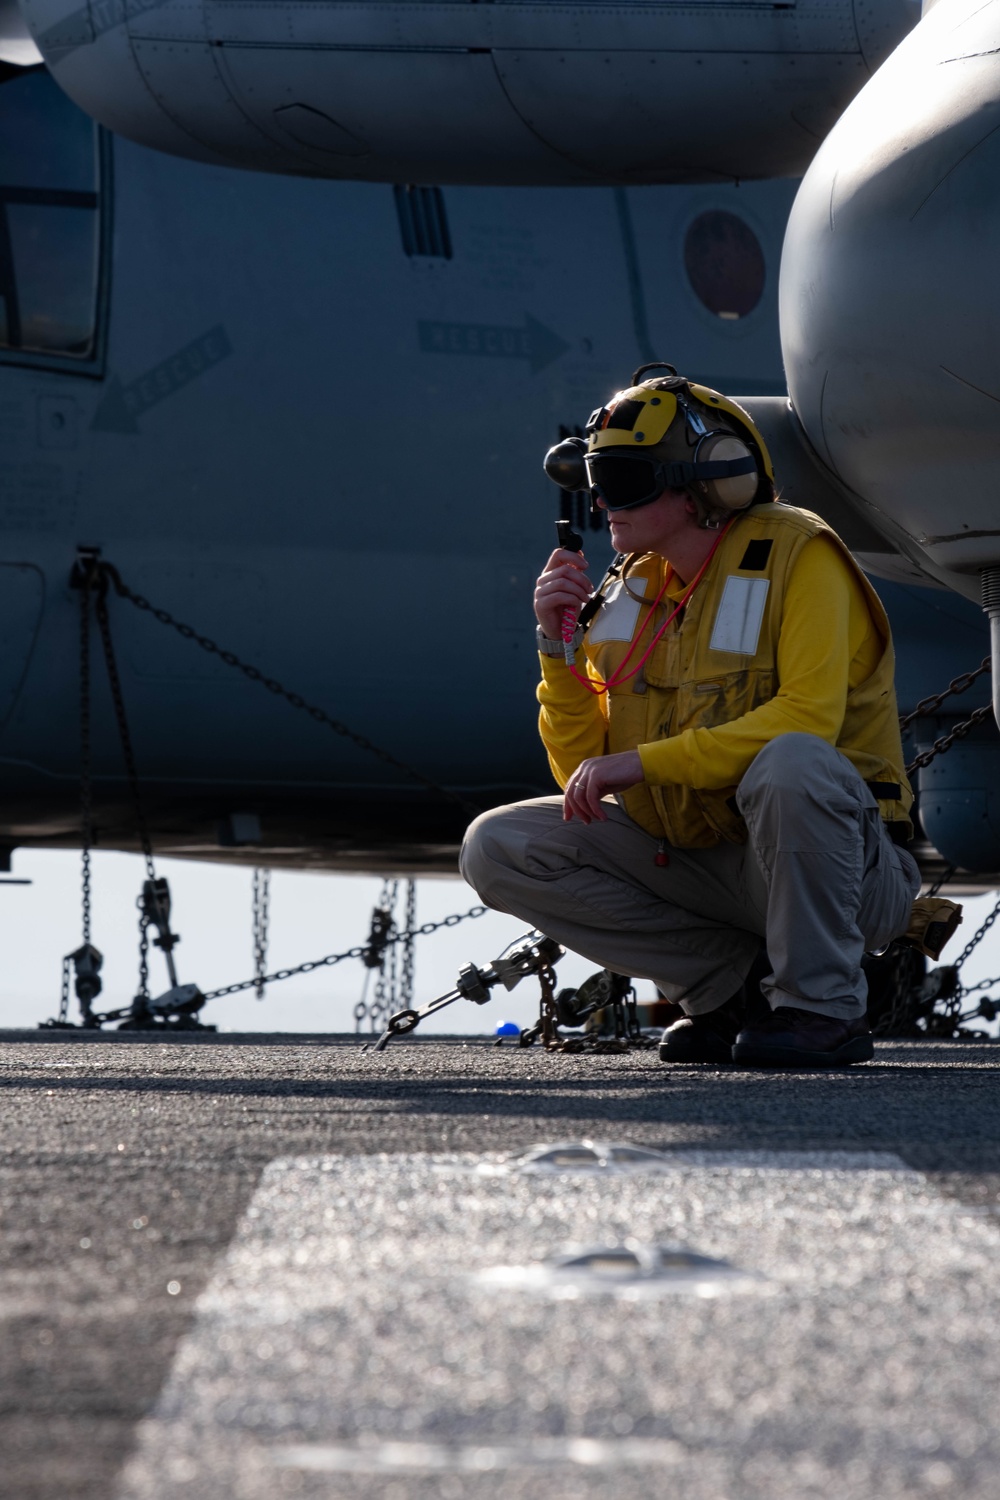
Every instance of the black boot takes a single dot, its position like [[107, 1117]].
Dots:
[[709, 1038], [794, 1038], [706, 1038]]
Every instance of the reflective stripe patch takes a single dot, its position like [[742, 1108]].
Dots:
[[738, 622], [617, 615]]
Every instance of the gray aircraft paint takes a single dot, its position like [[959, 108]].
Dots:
[[80, 27], [637, 296], [360, 517], [122, 405], [457, 92], [532, 341]]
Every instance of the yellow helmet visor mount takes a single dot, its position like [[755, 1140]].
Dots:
[[641, 417]]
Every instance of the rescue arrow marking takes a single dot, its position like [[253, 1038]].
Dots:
[[533, 342], [123, 404]]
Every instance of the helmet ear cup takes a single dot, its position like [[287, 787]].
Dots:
[[736, 491]]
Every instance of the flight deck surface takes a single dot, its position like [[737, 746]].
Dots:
[[255, 1266]]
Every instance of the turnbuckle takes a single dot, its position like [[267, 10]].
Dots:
[[531, 954]]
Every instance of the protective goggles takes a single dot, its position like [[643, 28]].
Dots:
[[624, 481]]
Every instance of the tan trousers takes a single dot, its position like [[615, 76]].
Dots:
[[819, 880]]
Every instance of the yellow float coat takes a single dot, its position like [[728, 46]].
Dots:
[[780, 638]]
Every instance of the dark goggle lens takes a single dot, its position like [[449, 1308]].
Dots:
[[624, 481]]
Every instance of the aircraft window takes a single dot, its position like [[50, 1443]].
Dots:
[[423, 221], [49, 223], [725, 264]]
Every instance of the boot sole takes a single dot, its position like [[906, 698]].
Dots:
[[720, 1055], [859, 1049]]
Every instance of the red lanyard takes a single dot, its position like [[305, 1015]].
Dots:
[[616, 679]]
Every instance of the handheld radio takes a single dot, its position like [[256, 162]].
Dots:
[[570, 541]]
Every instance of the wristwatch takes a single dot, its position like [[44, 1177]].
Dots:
[[548, 647]]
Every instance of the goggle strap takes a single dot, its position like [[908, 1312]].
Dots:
[[721, 468]]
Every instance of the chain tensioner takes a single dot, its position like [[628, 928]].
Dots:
[[605, 1006], [179, 1005], [531, 954]]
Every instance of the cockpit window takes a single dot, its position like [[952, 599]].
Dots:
[[50, 226]]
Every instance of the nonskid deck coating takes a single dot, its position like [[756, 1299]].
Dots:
[[152, 1149]]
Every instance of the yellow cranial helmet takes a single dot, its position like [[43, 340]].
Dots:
[[668, 433]]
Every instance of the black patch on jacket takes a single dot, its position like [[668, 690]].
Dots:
[[756, 556]]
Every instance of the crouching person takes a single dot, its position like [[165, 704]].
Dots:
[[726, 736]]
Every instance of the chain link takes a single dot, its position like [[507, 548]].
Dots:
[[361, 1009], [391, 978], [980, 986], [86, 786], [930, 705], [64, 991], [318, 715], [899, 1018], [407, 973], [947, 740], [942, 880], [380, 930], [913, 999], [987, 1009], [128, 754], [383, 1003], [394, 986], [261, 922], [336, 958], [143, 991], [391, 952], [927, 706], [959, 684], [977, 937]]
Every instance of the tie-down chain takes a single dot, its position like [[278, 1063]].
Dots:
[[936, 999]]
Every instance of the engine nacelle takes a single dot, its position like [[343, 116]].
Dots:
[[628, 91], [890, 299]]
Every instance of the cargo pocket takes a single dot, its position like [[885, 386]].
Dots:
[[719, 699], [886, 886]]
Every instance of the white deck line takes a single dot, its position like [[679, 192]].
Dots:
[[345, 1336]]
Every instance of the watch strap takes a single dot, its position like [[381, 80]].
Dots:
[[548, 647]]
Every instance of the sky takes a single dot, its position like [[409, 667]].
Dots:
[[311, 915]]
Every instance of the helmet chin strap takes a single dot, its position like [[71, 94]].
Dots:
[[709, 519], [713, 520]]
